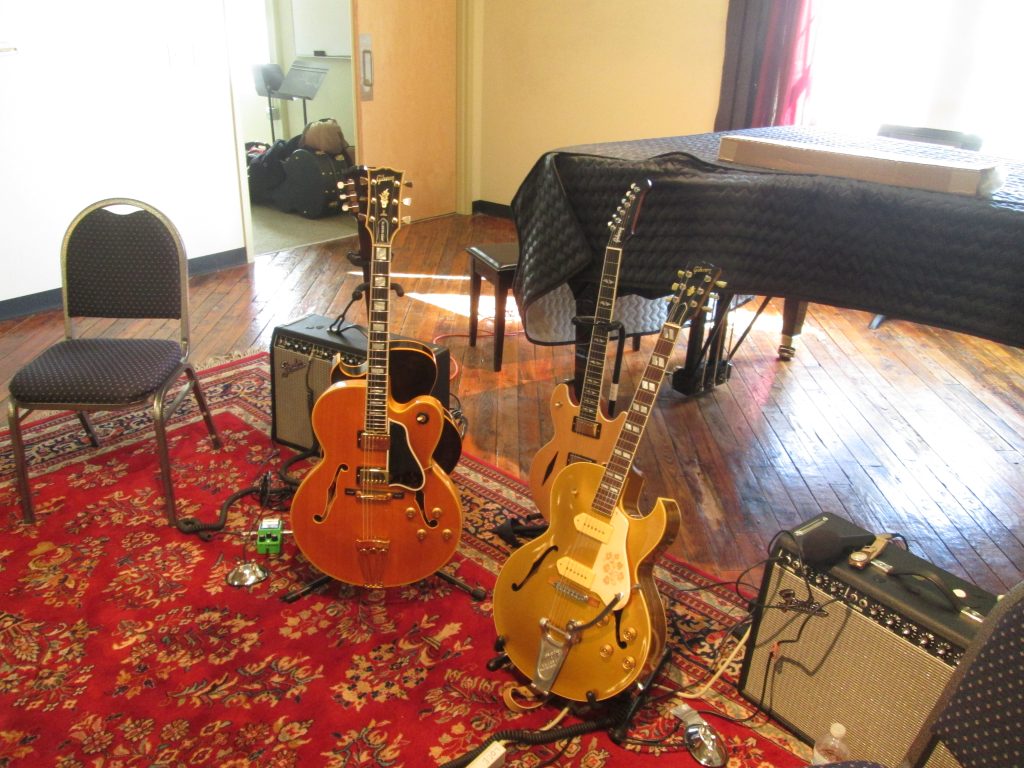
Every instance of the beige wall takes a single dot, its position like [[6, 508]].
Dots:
[[558, 72]]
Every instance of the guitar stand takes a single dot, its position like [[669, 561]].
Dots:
[[611, 325], [619, 732], [339, 326], [477, 593]]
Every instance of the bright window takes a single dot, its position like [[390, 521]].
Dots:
[[950, 64]]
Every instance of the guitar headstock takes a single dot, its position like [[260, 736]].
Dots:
[[383, 203], [695, 284], [374, 196], [623, 223]]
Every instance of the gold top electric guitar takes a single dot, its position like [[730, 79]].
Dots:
[[582, 432], [377, 510], [577, 609]]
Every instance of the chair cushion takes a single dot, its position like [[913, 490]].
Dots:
[[97, 371]]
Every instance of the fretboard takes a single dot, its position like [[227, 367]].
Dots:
[[377, 341], [593, 377], [624, 452]]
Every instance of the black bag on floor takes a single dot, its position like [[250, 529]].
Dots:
[[310, 184]]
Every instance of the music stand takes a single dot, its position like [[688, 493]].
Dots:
[[302, 82], [268, 78]]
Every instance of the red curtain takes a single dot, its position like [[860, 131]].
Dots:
[[766, 73]]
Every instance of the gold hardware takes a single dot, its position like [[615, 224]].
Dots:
[[421, 534], [446, 534], [606, 651], [629, 635], [628, 663]]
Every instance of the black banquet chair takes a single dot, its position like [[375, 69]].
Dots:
[[978, 721], [114, 264]]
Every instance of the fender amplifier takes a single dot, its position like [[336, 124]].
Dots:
[[302, 357], [870, 648]]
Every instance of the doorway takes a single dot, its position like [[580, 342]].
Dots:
[[270, 37]]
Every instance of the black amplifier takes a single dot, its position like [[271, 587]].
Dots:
[[302, 356], [870, 648]]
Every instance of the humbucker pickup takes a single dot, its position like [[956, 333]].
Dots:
[[586, 427]]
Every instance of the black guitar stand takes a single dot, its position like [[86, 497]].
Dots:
[[477, 593], [617, 725], [340, 325], [618, 733], [707, 364]]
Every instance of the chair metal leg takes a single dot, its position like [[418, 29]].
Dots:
[[165, 459], [203, 407], [28, 512], [90, 431]]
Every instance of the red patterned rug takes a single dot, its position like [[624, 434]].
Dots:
[[121, 644]]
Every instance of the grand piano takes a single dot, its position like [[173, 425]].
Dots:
[[947, 260]]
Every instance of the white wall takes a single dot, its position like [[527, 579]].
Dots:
[[112, 98]]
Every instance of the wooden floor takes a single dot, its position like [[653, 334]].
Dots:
[[904, 429]]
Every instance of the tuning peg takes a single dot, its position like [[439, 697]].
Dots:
[[406, 201], [407, 219], [675, 286], [681, 274], [408, 184], [720, 283]]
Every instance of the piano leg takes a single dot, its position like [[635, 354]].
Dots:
[[793, 314]]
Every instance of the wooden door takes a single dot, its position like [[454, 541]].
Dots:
[[404, 66]]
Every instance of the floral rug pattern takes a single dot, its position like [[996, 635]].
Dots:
[[122, 644]]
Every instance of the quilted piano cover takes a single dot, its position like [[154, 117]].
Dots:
[[945, 260]]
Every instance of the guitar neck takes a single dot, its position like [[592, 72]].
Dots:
[[691, 292], [624, 453], [378, 341], [382, 221], [597, 352]]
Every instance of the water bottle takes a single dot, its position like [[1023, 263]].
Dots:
[[831, 748]]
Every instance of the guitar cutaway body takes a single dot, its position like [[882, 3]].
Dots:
[[413, 372], [577, 606], [376, 511], [573, 442]]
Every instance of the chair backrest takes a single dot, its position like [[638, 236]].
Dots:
[[980, 716], [124, 265]]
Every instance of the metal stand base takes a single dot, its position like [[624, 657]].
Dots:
[[477, 593]]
